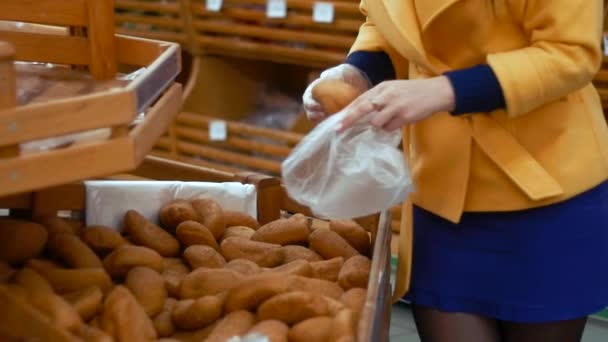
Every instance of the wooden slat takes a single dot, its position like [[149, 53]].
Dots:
[[602, 76], [62, 197], [156, 122], [198, 120], [296, 19], [270, 52], [160, 7], [44, 120], [192, 161], [174, 23], [244, 31], [8, 89], [158, 35], [102, 48], [351, 8], [164, 169], [51, 12], [137, 51], [48, 48], [246, 145]]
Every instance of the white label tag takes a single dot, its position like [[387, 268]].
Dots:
[[218, 130], [323, 12], [605, 44], [276, 8], [214, 5]]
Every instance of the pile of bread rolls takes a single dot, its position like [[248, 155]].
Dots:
[[203, 274]]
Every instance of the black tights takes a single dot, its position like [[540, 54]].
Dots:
[[437, 326]]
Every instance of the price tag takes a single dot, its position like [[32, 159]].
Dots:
[[605, 44], [214, 5], [276, 8], [323, 12], [218, 130]]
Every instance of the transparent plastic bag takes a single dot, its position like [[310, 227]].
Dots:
[[352, 174]]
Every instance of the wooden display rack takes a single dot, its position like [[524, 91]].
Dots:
[[272, 202], [80, 33]]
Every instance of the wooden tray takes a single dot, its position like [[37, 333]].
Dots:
[[272, 202], [82, 37]]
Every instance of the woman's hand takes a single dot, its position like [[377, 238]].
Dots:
[[394, 104]]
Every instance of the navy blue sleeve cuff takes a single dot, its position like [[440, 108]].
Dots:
[[377, 66], [476, 90]]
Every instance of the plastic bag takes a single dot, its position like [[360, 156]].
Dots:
[[355, 173]]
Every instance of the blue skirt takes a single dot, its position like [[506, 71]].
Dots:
[[536, 265]]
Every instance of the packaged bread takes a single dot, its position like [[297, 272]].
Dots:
[[353, 233], [355, 272], [233, 324], [190, 233], [243, 266], [283, 232], [174, 213], [87, 302], [145, 233], [72, 251], [20, 240], [237, 218], [174, 271], [211, 215], [312, 329], [191, 314], [295, 252], [330, 245], [206, 282], [293, 307], [200, 256], [125, 257], [102, 239], [254, 290], [238, 231], [263, 254], [273, 330], [124, 319], [163, 322], [148, 287], [327, 269]]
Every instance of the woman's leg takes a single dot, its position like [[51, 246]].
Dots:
[[437, 326], [562, 331]]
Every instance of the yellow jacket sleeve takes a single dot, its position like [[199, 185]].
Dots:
[[563, 56]]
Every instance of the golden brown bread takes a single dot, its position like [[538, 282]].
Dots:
[[243, 266], [72, 251], [312, 329], [234, 324], [343, 327], [354, 299], [124, 319], [206, 282], [199, 256], [174, 213], [102, 239], [312, 285], [191, 314], [87, 302], [125, 257], [327, 269], [194, 335], [297, 267], [57, 225], [330, 245], [69, 280], [353, 233], [211, 215], [20, 240], [145, 233], [295, 252], [148, 287], [238, 231], [254, 290], [163, 322], [237, 218], [263, 254], [191, 233], [293, 307], [6, 271], [283, 232], [355, 272], [174, 272], [334, 95]]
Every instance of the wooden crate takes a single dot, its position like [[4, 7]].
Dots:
[[272, 203], [80, 34], [154, 19]]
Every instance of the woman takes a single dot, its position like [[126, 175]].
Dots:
[[508, 147]]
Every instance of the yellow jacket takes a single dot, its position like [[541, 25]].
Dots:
[[551, 142]]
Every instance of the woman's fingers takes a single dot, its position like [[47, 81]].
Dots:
[[359, 108]]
